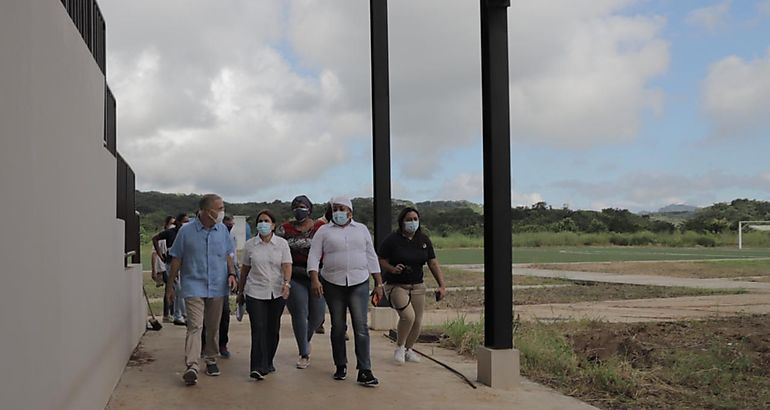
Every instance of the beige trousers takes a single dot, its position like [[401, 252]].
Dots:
[[202, 311], [409, 302]]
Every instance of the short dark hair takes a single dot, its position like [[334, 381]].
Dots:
[[268, 213], [228, 218], [167, 220], [207, 201], [181, 217]]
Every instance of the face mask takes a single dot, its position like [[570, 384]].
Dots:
[[220, 217], [411, 226], [340, 217], [300, 214], [264, 228]]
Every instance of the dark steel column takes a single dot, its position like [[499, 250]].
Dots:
[[378, 20], [498, 256]]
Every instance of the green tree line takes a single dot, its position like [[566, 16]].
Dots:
[[445, 218]]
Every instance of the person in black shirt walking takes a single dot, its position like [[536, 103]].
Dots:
[[402, 257]]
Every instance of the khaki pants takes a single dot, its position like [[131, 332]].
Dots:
[[409, 302], [202, 311]]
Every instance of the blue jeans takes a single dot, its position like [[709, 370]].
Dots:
[[307, 313], [354, 298], [179, 309]]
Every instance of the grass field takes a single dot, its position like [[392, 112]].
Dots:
[[601, 254], [454, 256]]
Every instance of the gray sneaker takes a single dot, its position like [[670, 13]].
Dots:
[[190, 376], [212, 369]]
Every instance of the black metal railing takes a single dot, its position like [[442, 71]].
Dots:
[[87, 17], [110, 121], [126, 208]]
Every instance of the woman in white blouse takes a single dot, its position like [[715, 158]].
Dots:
[[264, 287]]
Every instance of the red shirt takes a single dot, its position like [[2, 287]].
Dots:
[[299, 242]]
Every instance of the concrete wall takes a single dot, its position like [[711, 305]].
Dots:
[[70, 312], [239, 229]]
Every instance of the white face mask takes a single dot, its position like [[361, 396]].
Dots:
[[220, 217]]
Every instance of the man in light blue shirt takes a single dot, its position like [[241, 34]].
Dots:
[[202, 252]]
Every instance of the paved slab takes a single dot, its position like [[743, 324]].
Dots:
[[157, 385], [655, 280]]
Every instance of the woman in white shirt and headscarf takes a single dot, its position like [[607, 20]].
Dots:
[[348, 260]]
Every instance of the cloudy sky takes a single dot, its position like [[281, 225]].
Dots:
[[623, 103]]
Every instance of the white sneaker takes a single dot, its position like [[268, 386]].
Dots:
[[400, 355], [412, 356], [303, 362]]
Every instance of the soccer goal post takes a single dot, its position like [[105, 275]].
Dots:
[[754, 225]]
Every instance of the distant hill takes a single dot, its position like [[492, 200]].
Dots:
[[443, 217], [678, 208]]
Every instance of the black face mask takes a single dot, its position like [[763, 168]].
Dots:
[[300, 214]]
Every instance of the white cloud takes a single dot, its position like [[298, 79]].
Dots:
[[464, 186], [580, 71], [525, 199], [250, 97], [650, 191], [736, 94], [710, 17]]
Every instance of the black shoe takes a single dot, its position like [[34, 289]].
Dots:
[[212, 369], [320, 330], [341, 373], [271, 369], [180, 322], [366, 378], [256, 375], [190, 376], [224, 352]]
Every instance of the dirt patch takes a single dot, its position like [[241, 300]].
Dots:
[[577, 292], [454, 277], [703, 270], [711, 364], [139, 357]]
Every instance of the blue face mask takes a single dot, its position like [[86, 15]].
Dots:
[[264, 228], [340, 217], [411, 226]]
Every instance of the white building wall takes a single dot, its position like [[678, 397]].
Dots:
[[71, 314]]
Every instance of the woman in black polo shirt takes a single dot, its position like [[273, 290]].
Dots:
[[402, 256]]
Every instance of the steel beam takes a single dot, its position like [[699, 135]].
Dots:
[[378, 16], [498, 256]]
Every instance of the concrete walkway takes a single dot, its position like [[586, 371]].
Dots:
[[655, 280], [157, 385]]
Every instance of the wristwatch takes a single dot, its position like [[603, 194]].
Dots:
[[287, 284]]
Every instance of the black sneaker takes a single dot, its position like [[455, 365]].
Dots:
[[190, 376], [212, 369], [341, 373], [256, 375], [366, 378], [271, 369]]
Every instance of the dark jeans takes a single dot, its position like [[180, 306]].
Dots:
[[307, 313], [224, 327], [168, 307], [340, 299], [265, 320]]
